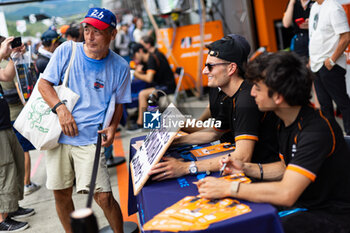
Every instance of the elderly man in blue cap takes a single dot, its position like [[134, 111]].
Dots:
[[249, 127], [96, 74]]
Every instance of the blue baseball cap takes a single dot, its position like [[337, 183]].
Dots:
[[100, 18], [51, 35]]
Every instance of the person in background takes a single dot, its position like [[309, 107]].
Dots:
[[139, 32], [11, 153], [310, 184], [37, 45], [50, 41], [153, 69], [12, 97], [131, 28], [75, 33], [96, 75], [329, 37], [122, 42], [29, 46], [297, 16], [149, 43], [63, 30]]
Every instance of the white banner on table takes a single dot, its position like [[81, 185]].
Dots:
[[154, 146]]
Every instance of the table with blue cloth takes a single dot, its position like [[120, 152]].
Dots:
[[157, 196]]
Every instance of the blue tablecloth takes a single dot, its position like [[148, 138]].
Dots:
[[157, 196]]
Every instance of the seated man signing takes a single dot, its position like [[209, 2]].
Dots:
[[312, 174], [251, 129]]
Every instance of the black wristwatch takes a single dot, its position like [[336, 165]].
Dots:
[[56, 106], [193, 168]]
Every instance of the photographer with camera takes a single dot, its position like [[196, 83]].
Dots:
[[12, 158], [14, 92]]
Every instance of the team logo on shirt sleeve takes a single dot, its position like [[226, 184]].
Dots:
[[294, 149]]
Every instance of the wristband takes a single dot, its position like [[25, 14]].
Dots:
[[56, 106], [234, 187], [261, 171], [331, 62]]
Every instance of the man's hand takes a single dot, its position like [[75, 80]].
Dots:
[[169, 168], [139, 68], [67, 122], [232, 165], [305, 24], [213, 188], [327, 64], [107, 136], [5, 49]]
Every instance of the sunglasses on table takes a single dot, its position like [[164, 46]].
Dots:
[[210, 66]]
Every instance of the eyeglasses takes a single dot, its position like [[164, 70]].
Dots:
[[210, 66]]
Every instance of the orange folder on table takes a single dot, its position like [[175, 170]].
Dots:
[[213, 151]]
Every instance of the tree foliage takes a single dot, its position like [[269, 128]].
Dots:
[[32, 29]]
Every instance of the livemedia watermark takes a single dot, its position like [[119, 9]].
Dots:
[[154, 120]]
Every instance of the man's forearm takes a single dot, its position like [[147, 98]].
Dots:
[[118, 112], [212, 164], [287, 19], [147, 77], [200, 137], [191, 129], [8, 73], [270, 171], [48, 93], [342, 45]]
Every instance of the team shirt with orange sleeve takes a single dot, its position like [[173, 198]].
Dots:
[[245, 121], [314, 147], [218, 101]]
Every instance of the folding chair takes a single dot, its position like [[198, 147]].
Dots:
[[180, 73]]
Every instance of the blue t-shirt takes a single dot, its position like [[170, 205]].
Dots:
[[94, 81]]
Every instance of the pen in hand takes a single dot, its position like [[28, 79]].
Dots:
[[222, 169]]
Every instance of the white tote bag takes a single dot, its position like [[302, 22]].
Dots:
[[37, 122]]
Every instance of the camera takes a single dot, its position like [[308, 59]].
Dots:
[[16, 42]]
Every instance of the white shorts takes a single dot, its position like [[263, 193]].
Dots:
[[66, 162]]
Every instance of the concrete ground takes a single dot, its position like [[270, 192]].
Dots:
[[45, 219]]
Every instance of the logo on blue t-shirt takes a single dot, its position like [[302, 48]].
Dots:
[[151, 120], [98, 84]]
